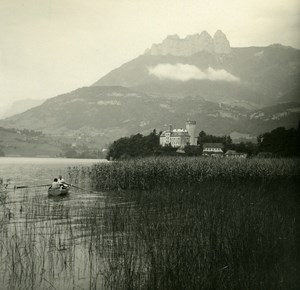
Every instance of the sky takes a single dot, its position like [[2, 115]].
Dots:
[[50, 47]]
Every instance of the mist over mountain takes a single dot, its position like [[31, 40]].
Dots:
[[207, 67]]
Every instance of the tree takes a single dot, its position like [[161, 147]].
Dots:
[[280, 142], [202, 134], [134, 146], [205, 138], [247, 147], [192, 150], [72, 153]]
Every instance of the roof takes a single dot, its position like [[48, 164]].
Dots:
[[213, 145], [229, 152], [176, 133], [233, 152], [164, 133], [180, 150]]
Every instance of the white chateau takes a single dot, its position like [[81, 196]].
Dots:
[[179, 137]]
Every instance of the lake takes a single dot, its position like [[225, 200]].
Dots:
[[47, 243], [164, 223]]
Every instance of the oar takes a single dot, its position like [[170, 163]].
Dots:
[[81, 188], [26, 186]]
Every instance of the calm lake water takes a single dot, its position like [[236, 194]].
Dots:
[[35, 171], [47, 243]]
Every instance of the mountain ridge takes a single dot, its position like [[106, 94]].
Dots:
[[191, 44], [108, 113]]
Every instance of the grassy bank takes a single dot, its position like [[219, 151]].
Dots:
[[202, 223]]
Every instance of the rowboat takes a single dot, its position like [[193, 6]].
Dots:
[[58, 191]]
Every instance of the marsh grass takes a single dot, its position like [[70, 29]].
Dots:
[[186, 172], [49, 244], [202, 224]]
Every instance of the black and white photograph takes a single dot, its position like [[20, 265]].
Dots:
[[149, 145]]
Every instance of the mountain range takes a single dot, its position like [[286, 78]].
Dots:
[[109, 113], [238, 91]]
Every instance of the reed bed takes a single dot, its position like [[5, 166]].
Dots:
[[49, 244], [201, 223], [171, 172]]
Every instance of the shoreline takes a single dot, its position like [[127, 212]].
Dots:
[[54, 160]]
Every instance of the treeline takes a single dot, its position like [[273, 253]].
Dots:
[[135, 146], [1, 151], [29, 133], [280, 142], [206, 138], [81, 152], [243, 147]]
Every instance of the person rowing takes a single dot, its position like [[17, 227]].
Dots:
[[58, 187], [55, 184], [61, 182]]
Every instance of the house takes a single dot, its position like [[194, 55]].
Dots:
[[174, 137], [213, 149], [179, 138], [234, 154]]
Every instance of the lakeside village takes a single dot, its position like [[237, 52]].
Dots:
[[180, 138], [280, 142]]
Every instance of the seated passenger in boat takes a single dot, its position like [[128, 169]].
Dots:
[[61, 182], [55, 183]]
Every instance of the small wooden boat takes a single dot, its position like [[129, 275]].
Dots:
[[58, 191]]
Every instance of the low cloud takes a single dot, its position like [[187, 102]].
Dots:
[[186, 72]]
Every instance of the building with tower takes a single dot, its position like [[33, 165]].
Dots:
[[179, 137], [190, 127]]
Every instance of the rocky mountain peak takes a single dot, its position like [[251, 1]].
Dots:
[[172, 36], [191, 44], [221, 43], [205, 35]]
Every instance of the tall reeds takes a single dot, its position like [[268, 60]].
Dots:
[[49, 244], [202, 223], [166, 223], [172, 172]]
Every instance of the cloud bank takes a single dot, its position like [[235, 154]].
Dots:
[[186, 72]]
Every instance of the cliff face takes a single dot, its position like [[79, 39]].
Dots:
[[191, 44]]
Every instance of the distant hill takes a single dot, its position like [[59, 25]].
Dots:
[[107, 113], [27, 144]]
